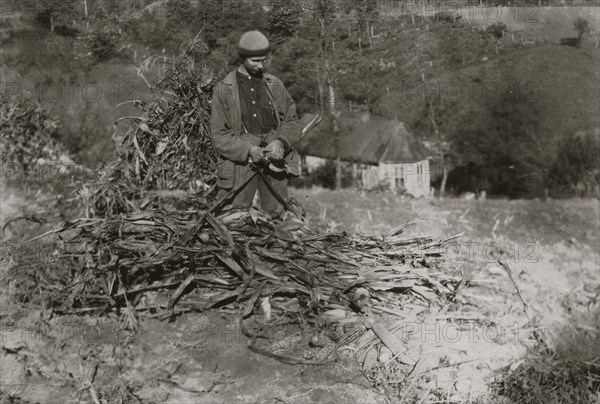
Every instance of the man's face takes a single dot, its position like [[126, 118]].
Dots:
[[256, 65]]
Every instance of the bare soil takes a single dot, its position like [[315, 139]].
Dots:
[[203, 357]]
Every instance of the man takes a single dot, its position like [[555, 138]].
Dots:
[[254, 122]]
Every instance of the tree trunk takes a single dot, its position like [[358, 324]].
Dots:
[[338, 172], [327, 50], [85, 10], [336, 129], [320, 88], [331, 88], [440, 147], [444, 179]]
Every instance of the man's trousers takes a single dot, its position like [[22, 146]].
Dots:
[[268, 201]]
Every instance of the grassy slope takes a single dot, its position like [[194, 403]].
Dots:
[[81, 94], [565, 83], [566, 101]]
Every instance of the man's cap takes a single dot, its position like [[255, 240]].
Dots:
[[253, 43]]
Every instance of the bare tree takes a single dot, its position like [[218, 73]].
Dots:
[[325, 14], [441, 145]]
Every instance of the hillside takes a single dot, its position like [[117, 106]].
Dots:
[[510, 87], [465, 65], [547, 76]]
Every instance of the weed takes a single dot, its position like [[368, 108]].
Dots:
[[567, 373]]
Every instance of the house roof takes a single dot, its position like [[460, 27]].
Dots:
[[365, 139]]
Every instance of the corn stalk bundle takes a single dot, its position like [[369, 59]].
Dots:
[[167, 152]]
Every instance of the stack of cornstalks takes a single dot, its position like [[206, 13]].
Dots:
[[166, 156]]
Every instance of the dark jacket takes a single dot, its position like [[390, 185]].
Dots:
[[226, 123]]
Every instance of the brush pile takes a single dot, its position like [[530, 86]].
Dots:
[[154, 242]]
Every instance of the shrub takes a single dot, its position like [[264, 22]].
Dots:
[[446, 17], [6, 32], [43, 19], [64, 30], [576, 168], [497, 30], [149, 29], [102, 45], [582, 26], [567, 373], [547, 379], [180, 13], [28, 133]]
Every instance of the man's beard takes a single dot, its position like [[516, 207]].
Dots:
[[258, 73]]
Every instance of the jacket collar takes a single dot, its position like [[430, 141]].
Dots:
[[231, 79]]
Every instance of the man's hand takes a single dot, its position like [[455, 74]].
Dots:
[[256, 154], [275, 150]]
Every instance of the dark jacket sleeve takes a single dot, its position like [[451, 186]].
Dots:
[[290, 125], [225, 140]]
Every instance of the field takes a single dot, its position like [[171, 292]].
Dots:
[[552, 246]]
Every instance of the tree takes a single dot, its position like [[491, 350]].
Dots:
[[325, 30], [582, 27], [179, 13], [502, 138], [294, 62], [50, 13], [576, 168], [327, 71], [362, 84], [284, 18], [366, 11], [222, 22], [441, 146]]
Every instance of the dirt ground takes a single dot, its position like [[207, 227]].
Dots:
[[203, 357], [553, 247]]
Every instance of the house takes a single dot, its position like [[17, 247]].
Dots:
[[380, 151]]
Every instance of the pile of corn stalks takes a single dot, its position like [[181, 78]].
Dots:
[[237, 256]]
